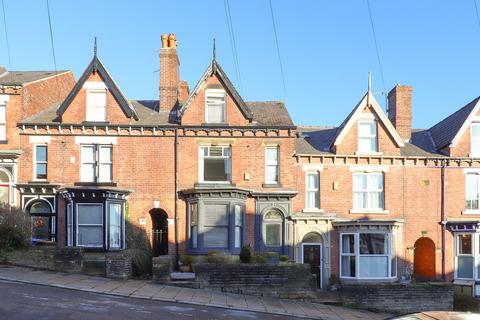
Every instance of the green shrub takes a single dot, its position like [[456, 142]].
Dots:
[[15, 228], [259, 258], [186, 260], [284, 258], [136, 238], [141, 262], [333, 280], [215, 256], [246, 254]]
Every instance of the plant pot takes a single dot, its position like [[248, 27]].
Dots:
[[184, 268]]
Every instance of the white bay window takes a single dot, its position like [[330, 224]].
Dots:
[[367, 255]]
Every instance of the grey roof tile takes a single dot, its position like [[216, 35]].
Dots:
[[270, 113], [314, 140], [445, 131], [19, 78]]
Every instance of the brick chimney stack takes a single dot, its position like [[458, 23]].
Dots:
[[400, 110], [169, 73]]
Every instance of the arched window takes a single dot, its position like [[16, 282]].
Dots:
[[5, 187], [41, 214], [273, 228], [312, 237]]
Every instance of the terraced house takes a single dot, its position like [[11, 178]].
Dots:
[[201, 170]]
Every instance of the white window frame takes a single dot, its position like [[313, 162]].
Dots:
[[367, 137], [121, 226], [474, 141], [69, 224], [272, 163], [90, 225], [279, 222], [368, 207], [312, 190], [3, 112], [475, 254], [35, 162], [90, 114], [391, 251], [96, 162], [202, 157], [217, 93], [475, 175]]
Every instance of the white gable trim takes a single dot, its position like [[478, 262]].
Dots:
[[471, 117], [357, 115]]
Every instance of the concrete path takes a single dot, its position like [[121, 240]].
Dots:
[[147, 290]]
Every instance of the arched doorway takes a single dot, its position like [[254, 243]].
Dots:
[[424, 259], [312, 254], [159, 232], [41, 215]]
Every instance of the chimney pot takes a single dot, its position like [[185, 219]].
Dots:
[[172, 41], [164, 41]]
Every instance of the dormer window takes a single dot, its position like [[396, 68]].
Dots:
[[475, 139], [367, 136], [96, 105], [215, 106]]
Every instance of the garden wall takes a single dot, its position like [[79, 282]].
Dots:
[[291, 281], [400, 298]]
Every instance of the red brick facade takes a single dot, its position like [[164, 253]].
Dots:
[[156, 166]]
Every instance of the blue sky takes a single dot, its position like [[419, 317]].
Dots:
[[327, 48]]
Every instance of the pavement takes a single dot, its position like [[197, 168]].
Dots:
[[144, 289]]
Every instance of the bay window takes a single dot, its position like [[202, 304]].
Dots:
[[367, 136], [465, 256], [89, 225], [115, 225], [215, 226], [215, 164], [367, 255], [96, 163], [215, 106], [238, 218], [312, 190], [271, 165], [368, 191]]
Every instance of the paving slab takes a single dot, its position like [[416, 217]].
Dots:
[[147, 290]]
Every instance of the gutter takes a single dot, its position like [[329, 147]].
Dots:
[[177, 256]]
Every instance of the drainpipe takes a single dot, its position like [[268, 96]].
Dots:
[[444, 224], [177, 257]]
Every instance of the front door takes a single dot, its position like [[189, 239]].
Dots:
[[312, 254]]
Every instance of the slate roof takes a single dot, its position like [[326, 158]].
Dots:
[[19, 78], [270, 113], [445, 131]]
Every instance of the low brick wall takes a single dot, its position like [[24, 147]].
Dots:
[[118, 266], [162, 266], [292, 281], [400, 298]]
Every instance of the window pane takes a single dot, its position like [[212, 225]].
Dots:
[[105, 154], [273, 215], [238, 215], [366, 129], [96, 106], [238, 237], [215, 170], [271, 174], [89, 214], [375, 200], [90, 235], [465, 244], [215, 237], [4, 194], [216, 215], [3, 118], [41, 171], [69, 225], [471, 191], [193, 214], [373, 243], [348, 243], [373, 267], [216, 113], [375, 181], [360, 182], [88, 154], [360, 200], [271, 155], [88, 172], [2, 132], [41, 153], [366, 144], [40, 228], [40, 207], [115, 225], [312, 181], [194, 236], [465, 267], [273, 234], [313, 199], [105, 174], [348, 266]]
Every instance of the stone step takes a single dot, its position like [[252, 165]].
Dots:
[[183, 284]]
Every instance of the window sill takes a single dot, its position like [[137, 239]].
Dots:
[[3, 141], [467, 211], [215, 124], [367, 211], [313, 210], [365, 153], [214, 183], [271, 185], [95, 184], [98, 123]]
